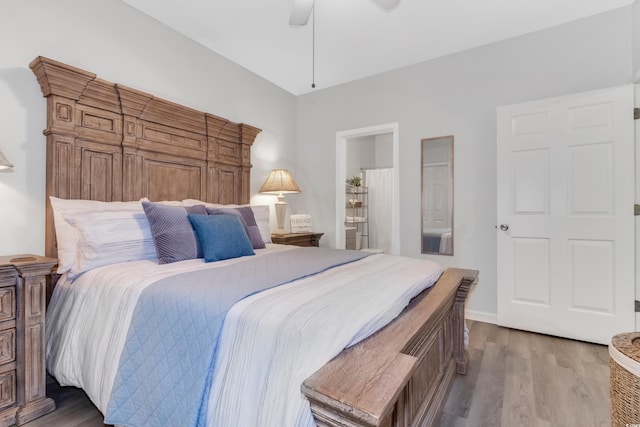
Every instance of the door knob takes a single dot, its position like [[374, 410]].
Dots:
[[504, 227]]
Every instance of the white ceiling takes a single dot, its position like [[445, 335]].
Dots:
[[356, 38]]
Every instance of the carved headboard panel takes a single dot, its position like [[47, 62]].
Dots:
[[108, 142]]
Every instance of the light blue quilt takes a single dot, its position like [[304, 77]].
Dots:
[[166, 365]]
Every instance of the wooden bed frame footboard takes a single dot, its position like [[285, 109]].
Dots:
[[401, 375], [109, 142]]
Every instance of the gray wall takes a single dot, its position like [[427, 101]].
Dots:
[[121, 45], [361, 153], [384, 150], [374, 151], [458, 95]]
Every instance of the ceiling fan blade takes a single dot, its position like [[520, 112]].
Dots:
[[386, 4], [300, 12]]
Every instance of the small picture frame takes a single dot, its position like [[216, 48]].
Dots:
[[301, 223]]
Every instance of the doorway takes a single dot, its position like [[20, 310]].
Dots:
[[378, 138]]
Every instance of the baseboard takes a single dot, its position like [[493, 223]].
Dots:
[[482, 316]]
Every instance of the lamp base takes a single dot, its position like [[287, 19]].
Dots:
[[281, 212]]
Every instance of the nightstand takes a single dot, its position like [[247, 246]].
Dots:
[[297, 239], [22, 342]]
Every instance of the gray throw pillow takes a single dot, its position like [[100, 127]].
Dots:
[[173, 234], [248, 220]]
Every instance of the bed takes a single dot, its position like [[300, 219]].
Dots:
[[108, 143], [437, 240]]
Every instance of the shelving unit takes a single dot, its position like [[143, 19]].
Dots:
[[357, 217]]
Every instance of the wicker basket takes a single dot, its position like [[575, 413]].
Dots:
[[624, 362]]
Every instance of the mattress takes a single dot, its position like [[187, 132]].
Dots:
[[269, 343]]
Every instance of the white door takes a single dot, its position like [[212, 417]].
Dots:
[[565, 215], [435, 186]]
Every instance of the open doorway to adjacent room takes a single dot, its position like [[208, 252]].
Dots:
[[367, 215]]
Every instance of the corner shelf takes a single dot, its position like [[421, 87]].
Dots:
[[357, 216]]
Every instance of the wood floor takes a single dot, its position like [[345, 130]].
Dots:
[[73, 409], [515, 379], [524, 379]]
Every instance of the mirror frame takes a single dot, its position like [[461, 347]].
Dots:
[[424, 250]]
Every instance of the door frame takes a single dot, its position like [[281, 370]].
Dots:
[[637, 219], [342, 138]]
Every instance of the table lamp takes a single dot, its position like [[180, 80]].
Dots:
[[280, 182]]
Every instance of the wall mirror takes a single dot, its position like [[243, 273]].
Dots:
[[437, 195]]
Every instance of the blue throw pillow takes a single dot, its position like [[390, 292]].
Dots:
[[221, 236]]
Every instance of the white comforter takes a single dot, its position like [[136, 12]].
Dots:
[[269, 344]]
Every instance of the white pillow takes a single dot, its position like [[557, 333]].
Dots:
[[193, 202], [164, 202], [260, 212], [111, 237], [66, 212]]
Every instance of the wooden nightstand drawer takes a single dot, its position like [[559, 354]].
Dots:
[[7, 389], [7, 303], [7, 346]]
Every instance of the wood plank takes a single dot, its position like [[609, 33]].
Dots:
[[486, 408], [461, 395], [519, 402]]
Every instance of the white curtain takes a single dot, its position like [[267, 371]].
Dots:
[[380, 187]]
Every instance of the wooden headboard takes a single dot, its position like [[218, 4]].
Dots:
[[108, 142]]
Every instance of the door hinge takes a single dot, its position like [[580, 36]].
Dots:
[[637, 306], [636, 113], [636, 210]]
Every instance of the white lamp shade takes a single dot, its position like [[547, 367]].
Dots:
[[280, 181]]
